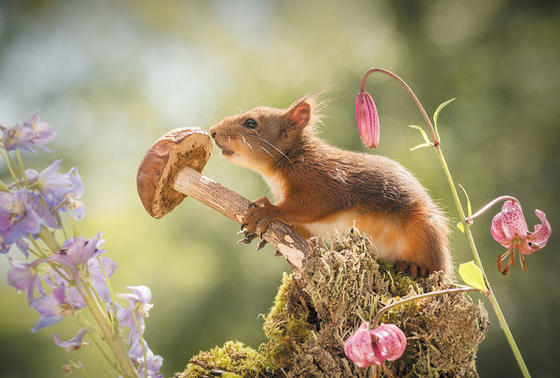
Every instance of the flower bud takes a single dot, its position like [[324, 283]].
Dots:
[[368, 120], [365, 347]]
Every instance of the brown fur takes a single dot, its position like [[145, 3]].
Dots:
[[318, 187]]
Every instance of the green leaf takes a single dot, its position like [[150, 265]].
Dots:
[[461, 227], [421, 146], [3, 187], [436, 114], [472, 275], [424, 135], [469, 207]]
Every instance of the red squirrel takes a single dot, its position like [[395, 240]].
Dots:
[[318, 188]]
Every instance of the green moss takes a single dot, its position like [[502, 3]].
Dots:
[[344, 286], [232, 360], [287, 323]]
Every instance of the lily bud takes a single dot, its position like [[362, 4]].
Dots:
[[368, 120], [373, 347]]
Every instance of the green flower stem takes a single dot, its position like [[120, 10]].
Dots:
[[99, 361], [14, 165], [110, 337], [491, 297], [91, 334], [112, 293], [21, 167], [36, 245], [3, 187], [59, 220], [14, 177], [143, 344], [98, 300], [418, 297], [468, 233], [48, 238]]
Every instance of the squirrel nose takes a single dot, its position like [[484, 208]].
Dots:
[[212, 133]]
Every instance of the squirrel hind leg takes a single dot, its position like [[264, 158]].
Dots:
[[426, 250]]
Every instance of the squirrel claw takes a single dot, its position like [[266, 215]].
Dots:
[[260, 212], [261, 245], [415, 270], [247, 239], [260, 202]]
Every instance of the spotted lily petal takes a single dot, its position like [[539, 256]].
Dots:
[[509, 224], [539, 238], [509, 228]]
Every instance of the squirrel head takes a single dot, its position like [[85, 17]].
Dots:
[[265, 135]]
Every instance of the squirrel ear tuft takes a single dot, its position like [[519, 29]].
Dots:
[[299, 113], [306, 112]]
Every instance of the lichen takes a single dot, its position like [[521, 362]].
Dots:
[[344, 286]]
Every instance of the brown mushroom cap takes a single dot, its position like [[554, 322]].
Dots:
[[180, 148]]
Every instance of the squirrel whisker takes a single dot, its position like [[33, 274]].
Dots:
[[273, 146], [245, 140], [265, 150]]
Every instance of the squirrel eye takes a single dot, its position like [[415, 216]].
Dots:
[[250, 123]]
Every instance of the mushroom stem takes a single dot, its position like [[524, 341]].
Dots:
[[191, 183]]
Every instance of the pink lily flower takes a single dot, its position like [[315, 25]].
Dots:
[[509, 228], [368, 120], [373, 347]]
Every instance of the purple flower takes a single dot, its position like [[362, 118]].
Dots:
[[24, 276], [138, 309], [72, 204], [29, 134], [153, 361], [52, 308], [52, 184], [74, 343], [58, 191], [98, 278], [17, 219], [373, 347], [76, 252]]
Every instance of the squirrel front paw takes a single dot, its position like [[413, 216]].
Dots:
[[261, 212]]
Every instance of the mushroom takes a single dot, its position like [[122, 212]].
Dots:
[[171, 170]]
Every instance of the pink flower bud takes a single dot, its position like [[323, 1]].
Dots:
[[368, 120], [365, 347]]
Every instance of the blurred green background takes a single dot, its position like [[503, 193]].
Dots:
[[111, 77]]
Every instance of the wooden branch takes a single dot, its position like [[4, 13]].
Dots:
[[292, 246]]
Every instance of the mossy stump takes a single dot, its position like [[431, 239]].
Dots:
[[344, 286]]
